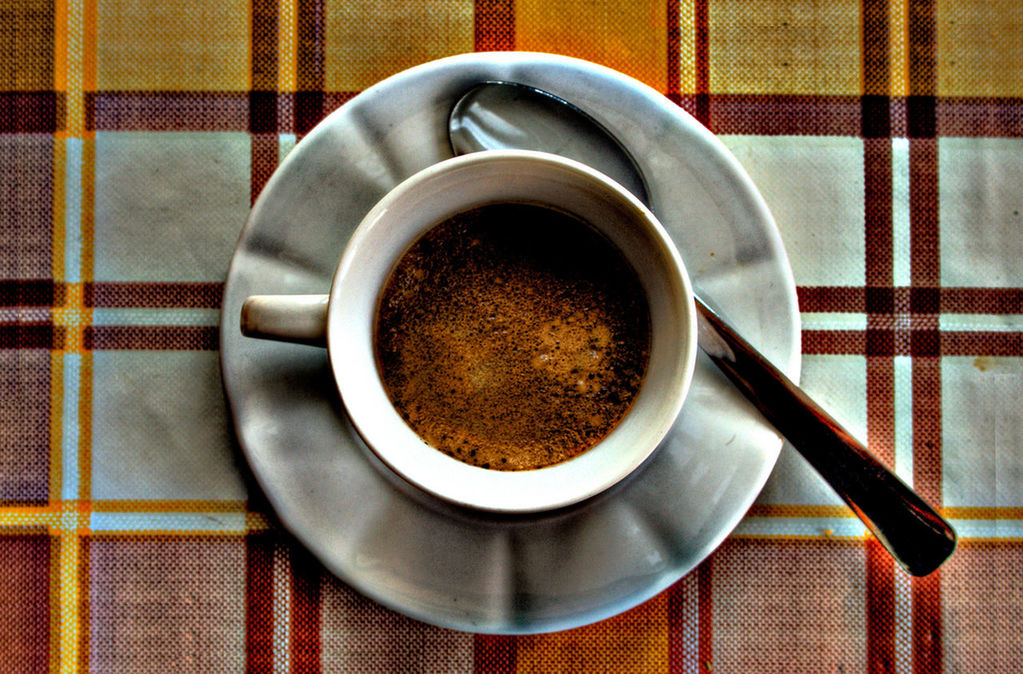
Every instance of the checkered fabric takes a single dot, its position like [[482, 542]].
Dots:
[[887, 138]]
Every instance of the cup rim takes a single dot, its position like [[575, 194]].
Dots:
[[350, 336]]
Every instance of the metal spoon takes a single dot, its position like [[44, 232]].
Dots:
[[500, 115]]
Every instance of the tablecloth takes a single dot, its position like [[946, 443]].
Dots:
[[886, 137]]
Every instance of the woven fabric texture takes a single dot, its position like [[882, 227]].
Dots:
[[886, 137]]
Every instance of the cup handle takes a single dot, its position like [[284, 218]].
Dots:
[[301, 319]]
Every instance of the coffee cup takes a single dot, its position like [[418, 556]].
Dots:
[[345, 322]]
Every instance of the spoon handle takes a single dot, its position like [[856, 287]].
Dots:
[[916, 536]]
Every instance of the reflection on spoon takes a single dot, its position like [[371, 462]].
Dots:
[[503, 115]]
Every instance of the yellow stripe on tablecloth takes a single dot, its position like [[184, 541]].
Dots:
[[801, 48], [75, 73], [287, 46], [979, 48], [982, 513], [73, 524], [898, 39], [687, 47]]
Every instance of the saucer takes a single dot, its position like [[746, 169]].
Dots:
[[454, 567]]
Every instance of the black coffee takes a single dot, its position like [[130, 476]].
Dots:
[[512, 336]]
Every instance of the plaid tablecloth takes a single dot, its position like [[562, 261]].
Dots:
[[887, 138]]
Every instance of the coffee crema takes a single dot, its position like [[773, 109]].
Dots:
[[512, 336]]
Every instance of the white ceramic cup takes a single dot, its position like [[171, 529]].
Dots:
[[344, 322]]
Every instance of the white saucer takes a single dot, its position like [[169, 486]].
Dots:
[[457, 568]]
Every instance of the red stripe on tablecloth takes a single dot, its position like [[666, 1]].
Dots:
[[981, 300], [753, 114], [878, 301], [927, 429], [705, 599], [676, 626], [848, 299], [260, 111], [927, 624], [765, 115], [921, 125], [263, 162], [305, 617], [701, 47], [881, 408], [264, 45], [31, 293], [877, 193], [493, 654], [259, 628], [263, 122], [982, 344], [979, 117], [167, 111], [880, 609], [309, 99], [84, 617], [114, 295], [883, 342], [674, 55], [494, 25], [31, 111], [955, 300], [833, 342], [151, 337], [32, 336]]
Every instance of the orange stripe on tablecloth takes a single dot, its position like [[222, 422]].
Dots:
[[88, 223], [167, 505], [784, 510], [60, 46], [982, 513], [89, 18], [76, 298]]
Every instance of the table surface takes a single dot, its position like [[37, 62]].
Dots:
[[886, 137]]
